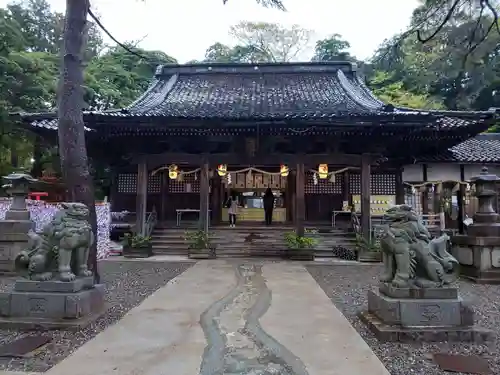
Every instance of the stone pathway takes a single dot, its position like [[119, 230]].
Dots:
[[224, 317]]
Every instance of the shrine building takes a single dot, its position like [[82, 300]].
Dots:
[[312, 132]]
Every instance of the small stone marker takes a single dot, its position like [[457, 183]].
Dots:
[[467, 364], [23, 346]]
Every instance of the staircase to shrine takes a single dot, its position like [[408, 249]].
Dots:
[[250, 241]]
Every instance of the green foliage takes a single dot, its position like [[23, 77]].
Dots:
[[371, 246], [333, 48], [136, 241], [393, 92], [295, 242], [261, 42], [199, 240]]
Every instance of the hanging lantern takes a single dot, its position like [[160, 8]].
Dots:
[[284, 170], [173, 171], [323, 171], [222, 169]]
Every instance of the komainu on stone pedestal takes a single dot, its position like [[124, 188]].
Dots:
[[415, 301], [62, 249], [57, 290], [412, 258]]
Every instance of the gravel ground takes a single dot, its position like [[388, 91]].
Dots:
[[347, 287], [127, 284]]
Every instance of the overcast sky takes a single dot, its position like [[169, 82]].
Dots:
[[185, 28]]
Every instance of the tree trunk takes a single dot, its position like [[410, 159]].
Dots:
[[72, 149]]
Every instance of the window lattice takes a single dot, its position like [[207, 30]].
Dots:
[[127, 183], [189, 184], [154, 184], [324, 186], [380, 184], [383, 184]]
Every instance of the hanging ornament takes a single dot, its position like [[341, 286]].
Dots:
[[229, 179], [173, 172], [181, 176], [196, 176], [222, 169], [284, 171], [467, 187], [315, 178], [323, 171], [431, 189], [413, 190], [332, 178]]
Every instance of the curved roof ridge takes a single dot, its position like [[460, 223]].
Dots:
[[153, 96], [362, 84], [354, 93]]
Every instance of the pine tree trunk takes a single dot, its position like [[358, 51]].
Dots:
[[72, 149]]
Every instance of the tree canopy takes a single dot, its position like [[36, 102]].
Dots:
[[458, 68]]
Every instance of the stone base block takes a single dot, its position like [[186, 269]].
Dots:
[[384, 332], [418, 293], [60, 308], [430, 319], [55, 286]]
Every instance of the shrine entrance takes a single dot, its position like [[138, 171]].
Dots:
[[248, 185]]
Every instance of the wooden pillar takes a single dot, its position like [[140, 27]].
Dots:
[[461, 202], [216, 199], [300, 206], [425, 194], [142, 194], [365, 197], [346, 189], [400, 187], [290, 191], [204, 194], [165, 182]]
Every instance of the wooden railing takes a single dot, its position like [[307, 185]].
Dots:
[[151, 221]]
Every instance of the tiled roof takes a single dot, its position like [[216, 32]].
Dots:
[[484, 148], [260, 92]]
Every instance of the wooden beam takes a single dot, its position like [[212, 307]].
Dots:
[[204, 194], [141, 200], [365, 198], [300, 206], [400, 187], [310, 160]]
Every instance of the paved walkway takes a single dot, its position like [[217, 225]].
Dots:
[[222, 317]]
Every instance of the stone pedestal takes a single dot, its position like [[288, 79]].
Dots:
[[479, 250], [431, 314], [13, 239], [51, 304]]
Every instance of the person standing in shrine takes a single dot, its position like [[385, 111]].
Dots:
[[268, 201], [232, 205]]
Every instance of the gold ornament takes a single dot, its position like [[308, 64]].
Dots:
[[323, 171]]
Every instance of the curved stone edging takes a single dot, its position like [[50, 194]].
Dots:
[[213, 356], [281, 353], [255, 351]]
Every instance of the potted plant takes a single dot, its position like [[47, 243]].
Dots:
[[369, 250], [137, 246], [299, 247], [200, 246]]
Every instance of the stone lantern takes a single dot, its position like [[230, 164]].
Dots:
[[18, 187], [14, 229], [478, 251]]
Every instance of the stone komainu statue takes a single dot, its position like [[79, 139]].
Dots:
[[62, 249], [411, 256]]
